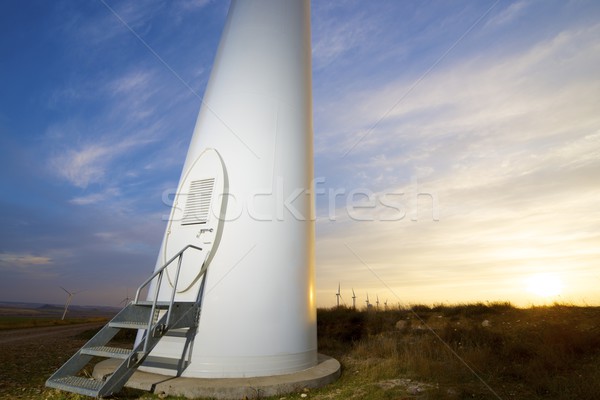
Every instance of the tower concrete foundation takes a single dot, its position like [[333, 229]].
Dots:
[[326, 371]]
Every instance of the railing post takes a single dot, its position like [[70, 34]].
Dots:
[[176, 280], [149, 331], [159, 274]]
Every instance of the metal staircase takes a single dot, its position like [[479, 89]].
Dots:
[[154, 318]]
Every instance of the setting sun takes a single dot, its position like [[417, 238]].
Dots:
[[545, 285]]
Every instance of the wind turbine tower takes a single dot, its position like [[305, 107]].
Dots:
[[250, 153], [353, 299], [68, 302], [337, 296], [241, 226]]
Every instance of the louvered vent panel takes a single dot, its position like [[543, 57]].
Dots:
[[197, 205]]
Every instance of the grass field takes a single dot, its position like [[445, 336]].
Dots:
[[22, 322], [473, 351]]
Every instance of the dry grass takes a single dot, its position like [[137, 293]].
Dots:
[[485, 351], [422, 352]]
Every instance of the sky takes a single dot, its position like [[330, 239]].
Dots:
[[457, 146]]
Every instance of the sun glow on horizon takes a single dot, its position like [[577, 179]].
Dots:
[[545, 285]]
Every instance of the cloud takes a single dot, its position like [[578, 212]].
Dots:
[[105, 26], [508, 15], [510, 146], [339, 38], [340, 29], [136, 80], [88, 163], [83, 166], [194, 4], [23, 260], [85, 152], [95, 197], [133, 96], [475, 97]]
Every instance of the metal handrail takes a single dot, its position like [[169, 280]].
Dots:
[[159, 272]]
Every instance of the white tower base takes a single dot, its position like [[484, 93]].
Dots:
[[245, 198]]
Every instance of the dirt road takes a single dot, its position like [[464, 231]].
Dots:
[[29, 334], [29, 356]]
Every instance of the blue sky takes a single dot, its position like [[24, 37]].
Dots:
[[476, 120]]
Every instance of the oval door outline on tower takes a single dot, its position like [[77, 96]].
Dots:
[[198, 211]]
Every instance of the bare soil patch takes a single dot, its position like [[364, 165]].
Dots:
[[29, 356]]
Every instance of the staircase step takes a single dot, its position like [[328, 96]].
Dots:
[[76, 384], [181, 332], [106, 351], [175, 364], [159, 304], [162, 304], [181, 320], [128, 324]]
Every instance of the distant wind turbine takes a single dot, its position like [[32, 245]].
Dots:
[[127, 299], [353, 299], [367, 301], [337, 295], [377, 302], [69, 298]]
